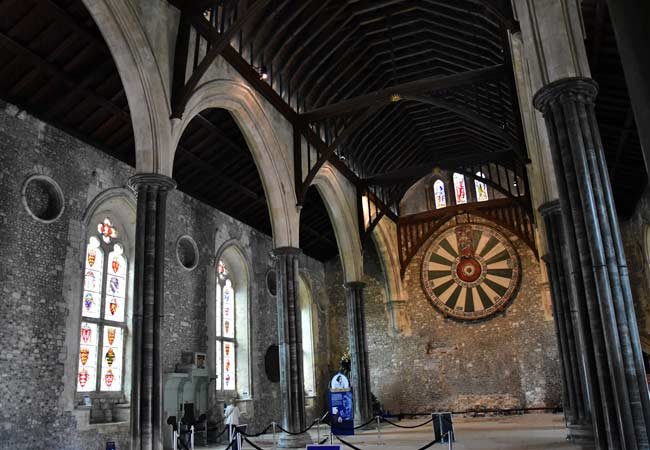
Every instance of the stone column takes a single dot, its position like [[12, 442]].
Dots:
[[573, 334], [631, 21], [358, 352], [147, 390], [590, 221], [290, 345]]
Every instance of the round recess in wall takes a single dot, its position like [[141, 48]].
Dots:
[[271, 282], [272, 363], [187, 252], [43, 198]]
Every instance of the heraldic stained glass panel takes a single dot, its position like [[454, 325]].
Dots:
[[229, 366], [116, 285], [439, 194], [459, 188], [481, 189], [103, 311], [94, 269], [228, 311], [112, 357], [225, 331], [88, 343]]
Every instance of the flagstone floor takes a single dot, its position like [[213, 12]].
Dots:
[[527, 432]]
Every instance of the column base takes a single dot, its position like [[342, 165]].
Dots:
[[581, 434], [294, 441]]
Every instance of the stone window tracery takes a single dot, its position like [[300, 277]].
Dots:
[[481, 188], [440, 199], [459, 188]]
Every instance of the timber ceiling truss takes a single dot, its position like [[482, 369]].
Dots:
[[382, 89]]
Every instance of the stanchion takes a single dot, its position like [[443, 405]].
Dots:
[[379, 441], [274, 439], [192, 437], [174, 439]]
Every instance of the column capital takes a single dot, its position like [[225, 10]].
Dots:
[[162, 182], [285, 251], [572, 89], [550, 208], [354, 285]]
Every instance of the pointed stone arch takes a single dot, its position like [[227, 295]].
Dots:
[[340, 200], [269, 151], [142, 79]]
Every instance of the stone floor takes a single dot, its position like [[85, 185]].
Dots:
[[527, 432]]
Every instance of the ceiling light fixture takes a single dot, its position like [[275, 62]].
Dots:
[[262, 72]]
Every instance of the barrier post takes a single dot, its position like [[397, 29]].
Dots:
[[274, 440], [192, 437], [379, 442], [174, 439]]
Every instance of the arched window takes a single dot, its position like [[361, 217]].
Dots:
[[226, 360], [481, 188], [103, 318], [231, 346], [459, 188], [439, 194], [306, 323]]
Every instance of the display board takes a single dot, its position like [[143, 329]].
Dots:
[[470, 271]]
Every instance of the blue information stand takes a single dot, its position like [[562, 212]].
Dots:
[[323, 447], [341, 406]]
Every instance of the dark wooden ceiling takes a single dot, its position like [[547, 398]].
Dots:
[[55, 64]]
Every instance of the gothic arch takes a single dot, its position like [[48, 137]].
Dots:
[[385, 238], [340, 201], [269, 152], [142, 80]]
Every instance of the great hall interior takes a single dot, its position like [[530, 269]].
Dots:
[[210, 206]]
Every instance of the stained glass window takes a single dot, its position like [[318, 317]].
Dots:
[[481, 188], [226, 374], [439, 194], [103, 307], [459, 188]]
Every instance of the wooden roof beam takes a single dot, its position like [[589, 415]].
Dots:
[[386, 96], [218, 43]]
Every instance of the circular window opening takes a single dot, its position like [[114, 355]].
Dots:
[[272, 363], [43, 198], [187, 252], [271, 283]]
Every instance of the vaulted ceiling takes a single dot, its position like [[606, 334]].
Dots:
[[334, 65]]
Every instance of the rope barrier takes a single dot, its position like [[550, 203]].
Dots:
[[252, 444], [334, 427], [243, 433], [347, 444], [299, 432], [407, 426]]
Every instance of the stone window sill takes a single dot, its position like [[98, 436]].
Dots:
[[81, 414]]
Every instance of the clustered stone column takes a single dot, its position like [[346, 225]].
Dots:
[[290, 346], [577, 359], [598, 271], [358, 352], [146, 392]]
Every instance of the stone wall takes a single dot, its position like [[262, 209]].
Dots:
[[636, 240], [40, 279], [508, 360]]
